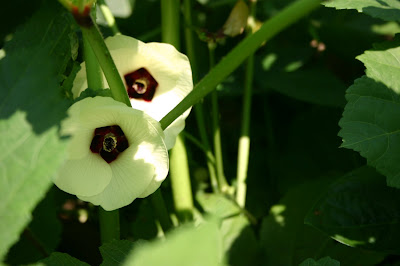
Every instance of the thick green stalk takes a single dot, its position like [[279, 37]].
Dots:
[[219, 165], [244, 141], [198, 108], [179, 167], [94, 74], [109, 225], [109, 17], [170, 13], [180, 180], [95, 39], [249, 45]]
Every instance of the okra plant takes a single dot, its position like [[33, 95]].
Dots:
[[199, 132]]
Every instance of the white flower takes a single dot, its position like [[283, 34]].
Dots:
[[156, 75], [116, 154]]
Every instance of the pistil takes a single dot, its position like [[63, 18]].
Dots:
[[140, 85]]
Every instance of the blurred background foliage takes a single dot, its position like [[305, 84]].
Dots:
[[299, 84]]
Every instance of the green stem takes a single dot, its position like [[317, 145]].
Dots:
[[209, 155], [244, 141], [170, 22], [109, 225], [109, 17], [180, 181], [179, 167], [223, 184], [198, 108], [93, 71], [249, 45], [161, 210], [106, 62]]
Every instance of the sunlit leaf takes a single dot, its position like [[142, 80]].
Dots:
[[384, 9], [41, 236], [239, 241], [187, 246], [115, 252], [31, 107], [382, 63]]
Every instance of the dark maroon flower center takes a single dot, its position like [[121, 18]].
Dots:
[[109, 142], [140, 84]]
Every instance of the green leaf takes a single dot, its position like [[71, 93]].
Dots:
[[371, 126], [31, 107], [359, 210], [187, 245], [384, 9], [115, 252], [218, 205], [239, 241], [371, 118], [41, 236], [57, 259], [327, 261], [383, 63], [317, 86], [142, 223], [93, 93], [69, 81], [286, 240]]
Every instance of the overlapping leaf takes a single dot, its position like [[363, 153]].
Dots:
[[327, 261], [371, 118], [188, 246], [31, 107], [286, 240], [359, 210], [115, 252], [58, 258], [41, 236], [384, 9], [239, 241]]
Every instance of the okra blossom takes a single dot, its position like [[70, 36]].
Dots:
[[115, 155], [156, 76]]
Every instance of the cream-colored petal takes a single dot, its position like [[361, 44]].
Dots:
[[174, 129], [79, 144], [91, 113], [84, 117], [132, 173], [87, 176], [172, 71], [134, 170], [170, 68]]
